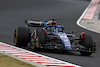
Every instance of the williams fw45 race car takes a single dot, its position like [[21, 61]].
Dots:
[[53, 37]]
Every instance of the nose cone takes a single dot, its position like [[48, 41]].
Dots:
[[68, 48], [65, 40]]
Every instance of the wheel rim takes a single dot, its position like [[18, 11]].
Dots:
[[35, 41]]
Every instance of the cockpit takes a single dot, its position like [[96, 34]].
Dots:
[[54, 28]]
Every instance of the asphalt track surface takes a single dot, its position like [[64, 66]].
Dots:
[[14, 12]]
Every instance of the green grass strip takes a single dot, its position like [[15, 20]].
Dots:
[[6, 61]]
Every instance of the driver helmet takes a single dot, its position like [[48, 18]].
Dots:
[[56, 29]]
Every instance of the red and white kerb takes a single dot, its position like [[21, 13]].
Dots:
[[34, 57]]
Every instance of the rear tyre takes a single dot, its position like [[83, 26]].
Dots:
[[42, 36], [21, 36], [86, 41]]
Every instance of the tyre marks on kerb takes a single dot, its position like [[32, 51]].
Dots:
[[91, 10], [34, 57]]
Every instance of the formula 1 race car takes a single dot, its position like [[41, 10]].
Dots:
[[53, 37]]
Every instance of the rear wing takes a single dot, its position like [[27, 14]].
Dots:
[[34, 23], [38, 23]]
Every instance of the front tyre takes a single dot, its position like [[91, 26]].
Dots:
[[85, 53], [87, 41]]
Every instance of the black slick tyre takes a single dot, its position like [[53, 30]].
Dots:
[[85, 53], [21, 36], [86, 41], [42, 36]]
